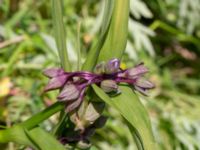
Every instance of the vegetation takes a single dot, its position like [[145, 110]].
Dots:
[[165, 35]]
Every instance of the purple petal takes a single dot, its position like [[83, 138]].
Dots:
[[53, 72], [137, 71], [141, 82], [71, 106], [141, 90], [56, 82], [74, 104], [112, 66], [69, 92]]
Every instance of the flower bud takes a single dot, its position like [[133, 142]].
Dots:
[[112, 66], [143, 85], [69, 92], [141, 82], [100, 68], [56, 82], [136, 71], [53, 72], [109, 86]]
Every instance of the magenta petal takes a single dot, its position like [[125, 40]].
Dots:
[[137, 71], [56, 82], [53, 72], [69, 92]]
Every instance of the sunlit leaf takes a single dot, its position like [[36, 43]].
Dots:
[[95, 50], [116, 39], [44, 140], [133, 111]]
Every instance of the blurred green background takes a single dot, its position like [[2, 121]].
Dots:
[[164, 34]]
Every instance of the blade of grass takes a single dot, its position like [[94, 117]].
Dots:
[[43, 115], [59, 31], [116, 39], [44, 141], [94, 51], [12, 60], [78, 47]]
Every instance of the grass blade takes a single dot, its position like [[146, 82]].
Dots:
[[95, 50], [116, 39], [59, 31]]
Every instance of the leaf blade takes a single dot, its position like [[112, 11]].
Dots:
[[44, 141], [133, 111], [116, 39]]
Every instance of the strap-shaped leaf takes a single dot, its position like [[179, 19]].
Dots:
[[95, 50], [116, 39], [130, 107], [57, 12], [36, 138], [44, 140], [15, 134]]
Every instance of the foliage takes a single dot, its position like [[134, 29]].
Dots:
[[163, 34]]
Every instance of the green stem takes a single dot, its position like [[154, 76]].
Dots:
[[43, 115], [179, 34], [59, 30]]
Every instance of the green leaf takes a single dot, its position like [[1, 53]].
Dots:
[[59, 30], [116, 39], [43, 115], [95, 50], [130, 107], [44, 140], [15, 134]]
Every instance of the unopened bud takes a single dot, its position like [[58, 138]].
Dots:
[[109, 86], [112, 66], [100, 68], [141, 82]]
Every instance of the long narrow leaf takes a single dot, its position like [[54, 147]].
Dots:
[[60, 33], [15, 134], [44, 140], [95, 50], [116, 39], [134, 112]]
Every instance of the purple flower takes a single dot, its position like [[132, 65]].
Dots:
[[107, 75]]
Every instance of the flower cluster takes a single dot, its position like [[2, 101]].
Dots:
[[108, 75]]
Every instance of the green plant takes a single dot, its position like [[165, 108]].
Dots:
[[111, 44]]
